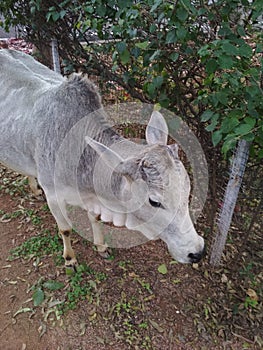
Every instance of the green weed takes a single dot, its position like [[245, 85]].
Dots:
[[14, 187], [82, 286], [30, 214], [10, 216], [250, 303], [127, 312], [39, 246]]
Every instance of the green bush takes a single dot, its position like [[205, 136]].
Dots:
[[199, 59]]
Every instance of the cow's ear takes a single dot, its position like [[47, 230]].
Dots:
[[156, 130], [173, 149], [127, 167], [111, 158]]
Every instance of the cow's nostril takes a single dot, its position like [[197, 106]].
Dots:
[[195, 257]]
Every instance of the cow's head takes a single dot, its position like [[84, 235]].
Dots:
[[154, 192]]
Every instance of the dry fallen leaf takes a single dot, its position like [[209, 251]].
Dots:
[[156, 326], [252, 294], [224, 278]]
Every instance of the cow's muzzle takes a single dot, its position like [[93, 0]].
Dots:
[[196, 257]]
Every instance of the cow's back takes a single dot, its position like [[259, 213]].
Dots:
[[38, 108], [23, 68], [23, 81]]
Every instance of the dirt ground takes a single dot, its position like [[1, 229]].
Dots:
[[187, 307]]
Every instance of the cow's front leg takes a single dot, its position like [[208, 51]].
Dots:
[[98, 236], [68, 252], [58, 210]]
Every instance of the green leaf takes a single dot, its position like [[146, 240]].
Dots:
[[53, 285], [212, 126], [101, 10], [181, 33], [216, 137], [162, 269], [229, 48], [214, 122], [157, 81], [156, 4], [48, 16], [260, 154], [89, 9], [143, 45], [55, 16], [229, 144], [153, 28], [164, 100], [174, 56], [206, 115], [182, 14], [225, 62], [250, 121], [69, 271], [62, 13], [249, 137], [155, 55], [171, 37], [38, 296], [136, 52], [121, 46], [243, 129], [229, 124], [151, 89], [241, 31], [211, 66], [222, 98], [125, 57], [245, 50], [204, 51]]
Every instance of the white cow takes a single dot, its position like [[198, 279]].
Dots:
[[148, 188]]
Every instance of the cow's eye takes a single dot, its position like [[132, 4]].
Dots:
[[155, 204]]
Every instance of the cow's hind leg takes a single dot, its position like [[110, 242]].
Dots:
[[98, 236]]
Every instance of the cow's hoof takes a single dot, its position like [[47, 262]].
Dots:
[[107, 254], [71, 265], [38, 193]]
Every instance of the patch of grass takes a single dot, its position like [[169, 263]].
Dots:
[[14, 186], [129, 329], [132, 323], [10, 216], [29, 214], [145, 285], [34, 217], [255, 290], [124, 265], [45, 208], [82, 286], [39, 246], [40, 288], [248, 272]]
